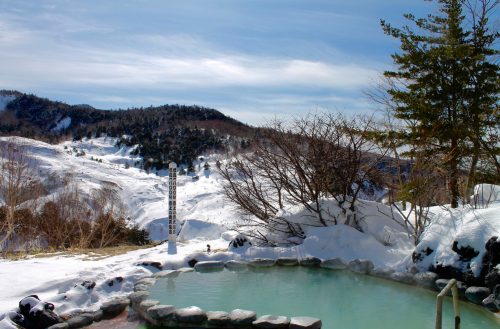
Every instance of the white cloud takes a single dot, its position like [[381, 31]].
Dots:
[[105, 68]]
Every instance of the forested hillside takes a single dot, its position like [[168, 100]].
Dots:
[[164, 133]]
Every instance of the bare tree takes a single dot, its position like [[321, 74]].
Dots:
[[317, 157], [15, 180], [109, 216]]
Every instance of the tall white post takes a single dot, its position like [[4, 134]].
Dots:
[[172, 208]]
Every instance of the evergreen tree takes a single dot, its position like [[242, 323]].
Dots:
[[436, 87]]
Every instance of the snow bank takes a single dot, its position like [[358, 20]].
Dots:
[[486, 194], [197, 229], [373, 218], [468, 226]]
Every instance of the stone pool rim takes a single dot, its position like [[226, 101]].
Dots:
[[424, 280], [427, 280]]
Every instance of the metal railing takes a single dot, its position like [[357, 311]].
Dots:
[[452, 285]]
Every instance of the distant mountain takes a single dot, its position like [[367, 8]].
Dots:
[[164, 133]]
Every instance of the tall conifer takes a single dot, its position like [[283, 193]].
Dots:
[[445, 86]]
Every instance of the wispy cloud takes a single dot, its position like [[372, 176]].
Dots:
[[243, 63]]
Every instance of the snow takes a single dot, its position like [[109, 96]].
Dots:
[[468, 226], [197, 229], [62, 124], [484, 194], [4, 100], [206, 217]]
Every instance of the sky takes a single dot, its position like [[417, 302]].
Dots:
[[253, 60]]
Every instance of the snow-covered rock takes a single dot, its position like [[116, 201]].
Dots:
[[272, 321], [242, 317], [191, 314], [305, 322], [463, 227], [477, 294]]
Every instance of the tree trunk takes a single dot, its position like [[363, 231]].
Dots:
[[454, 173]]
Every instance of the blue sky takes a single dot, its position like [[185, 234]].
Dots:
[[253, 60]]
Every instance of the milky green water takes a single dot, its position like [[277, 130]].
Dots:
[[341, 299]]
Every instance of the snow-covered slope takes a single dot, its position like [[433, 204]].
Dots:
[[95, 162], [208, 219]]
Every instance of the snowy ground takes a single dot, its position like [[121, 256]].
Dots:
[[207, 219]]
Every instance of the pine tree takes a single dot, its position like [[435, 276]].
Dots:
[[434, 90]]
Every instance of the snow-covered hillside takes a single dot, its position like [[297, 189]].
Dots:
[[95, 162], [207, 218]]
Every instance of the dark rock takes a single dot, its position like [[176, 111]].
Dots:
[[490, 260], [466, 253], [287, 261], [80, 321], [236, 265], [98, 315], [209, 266], [360, 266], [111, 282], [310, 261], [62, 325], [192, 314], [477, 294], [192, 262], [88, 284], [115, 306], [156, 265], [262, 262], [239, 242], [402, 277], [489, 303], [334, 264], [305, 322], [426, 279], [492, 252], [37, 314], [242, 317], [146, 304], [496, 294], [450, 272], [137, 297], [441, 283], [15, 317], [271, 322], [492, 279], [418, 256], [161, 312]]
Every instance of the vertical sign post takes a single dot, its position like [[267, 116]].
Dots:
[[172, 208]]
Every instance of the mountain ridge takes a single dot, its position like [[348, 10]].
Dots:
[[164, 133]]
